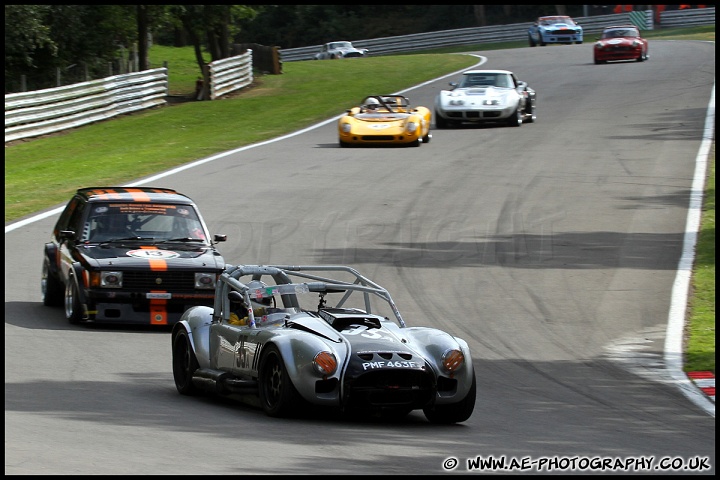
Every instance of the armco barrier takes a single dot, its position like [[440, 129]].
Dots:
[[592, 26]]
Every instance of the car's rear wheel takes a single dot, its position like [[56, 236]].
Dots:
[[278, 396], [50, 286], [529, 115], [73, 308], [184, 363], [454, 412]]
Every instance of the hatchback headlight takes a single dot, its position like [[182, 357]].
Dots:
[[205, 281], [111, 279]]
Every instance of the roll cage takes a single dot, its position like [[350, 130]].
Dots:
[[288, 284]]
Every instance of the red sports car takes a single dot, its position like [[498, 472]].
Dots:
[[621, 42]]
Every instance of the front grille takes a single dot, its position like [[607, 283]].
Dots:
[[561, 32], [378, 138], [352, 54], [391, 388], [169, 280], [474, 115]]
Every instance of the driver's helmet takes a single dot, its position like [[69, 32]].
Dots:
[[257, 290], [372, 104]]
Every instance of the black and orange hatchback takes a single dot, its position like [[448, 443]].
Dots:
[[131, 255]]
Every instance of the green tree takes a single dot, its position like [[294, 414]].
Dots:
[[210, 28]]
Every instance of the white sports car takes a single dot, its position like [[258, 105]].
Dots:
[[334, 50], [486, 96]]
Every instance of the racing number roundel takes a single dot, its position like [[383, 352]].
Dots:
[[153, 254]]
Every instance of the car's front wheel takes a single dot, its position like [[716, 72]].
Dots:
[[516, 119], [440, 122], [532, 42], [184, 364], [540, 40], [454, 412], [50, 286], [73, 308], [278, 396]]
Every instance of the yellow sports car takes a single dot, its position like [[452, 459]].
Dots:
[[385, 119]]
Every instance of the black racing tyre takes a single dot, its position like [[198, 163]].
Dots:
[[426, 138], [50, 286], [531, 41], [516, 119], [344, 144], [278, 396], [455, 412], [73, 308], [184, 364], [440, 122], [416, 143], [540, 40], [530, 115]]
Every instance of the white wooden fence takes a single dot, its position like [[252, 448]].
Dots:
[[40, 112]]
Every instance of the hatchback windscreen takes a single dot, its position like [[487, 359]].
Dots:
[[148, 221]]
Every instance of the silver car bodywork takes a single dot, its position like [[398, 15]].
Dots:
[[355, 354], [486, 96], [337, 50]]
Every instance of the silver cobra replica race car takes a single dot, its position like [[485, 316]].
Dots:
[[274, 338]]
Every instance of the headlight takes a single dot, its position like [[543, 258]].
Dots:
[[493, 101], [457, 101], [325, 363], [636, 43], [111, 279], [345, 127], [205, 281], [452, 360], [411, 127]]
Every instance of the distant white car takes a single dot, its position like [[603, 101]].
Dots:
[[333, 50], [485, 96]]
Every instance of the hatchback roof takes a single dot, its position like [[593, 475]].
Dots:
[[133, 194]]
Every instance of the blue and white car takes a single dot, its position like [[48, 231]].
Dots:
[[554, 29]]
